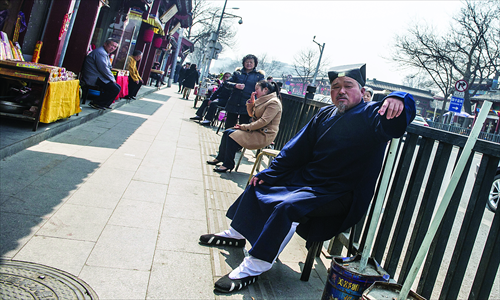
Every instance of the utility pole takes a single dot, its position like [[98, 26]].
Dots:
[[212, 44], [319, 60]]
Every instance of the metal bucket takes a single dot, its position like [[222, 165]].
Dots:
[[385, 290], [344, 282]]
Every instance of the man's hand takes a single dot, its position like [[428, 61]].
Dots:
[[240, 86], [392, 108], [255, 180], [237, 126]]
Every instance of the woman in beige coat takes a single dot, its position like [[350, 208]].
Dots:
[[264, 107]]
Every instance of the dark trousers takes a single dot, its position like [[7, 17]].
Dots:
[[212, 109], [227, 149], [156, 77], [232, 119], [109, 91], [202, 108], [133, 87]]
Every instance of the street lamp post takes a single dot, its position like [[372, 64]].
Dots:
[[213, 45], [319, 60]]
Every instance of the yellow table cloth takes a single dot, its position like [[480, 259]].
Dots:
[[61, 101]]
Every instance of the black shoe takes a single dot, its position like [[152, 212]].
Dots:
[[220, 170], [213, 162], [195, 118], [205, 123], [127, 97], [133, 98], [215, 240], [228, 285], [95, 106]]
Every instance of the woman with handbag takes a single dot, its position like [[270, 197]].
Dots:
[[264, 106]]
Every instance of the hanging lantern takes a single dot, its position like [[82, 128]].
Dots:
[[148, 35], [157, 42]]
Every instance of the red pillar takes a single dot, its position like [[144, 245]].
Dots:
[[83, 29], [52, 46]]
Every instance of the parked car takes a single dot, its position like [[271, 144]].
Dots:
[[322, 98], [494, 192], [419, 120]]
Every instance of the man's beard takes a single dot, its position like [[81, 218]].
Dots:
[[341, 108]]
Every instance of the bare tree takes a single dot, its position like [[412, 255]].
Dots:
[[271, 66], [470, 51], [205, 22], [305, 63]]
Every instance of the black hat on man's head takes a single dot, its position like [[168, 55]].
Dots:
[[356, 72]]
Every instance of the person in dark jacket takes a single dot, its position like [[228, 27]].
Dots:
[[242, 84], [190, 80], [218, 98], [182, 75]]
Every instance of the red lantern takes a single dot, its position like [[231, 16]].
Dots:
[[157, 42], [148, 35]]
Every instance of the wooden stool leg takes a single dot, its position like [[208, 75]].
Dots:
[[239, 160], [311, 255], [257, 162]]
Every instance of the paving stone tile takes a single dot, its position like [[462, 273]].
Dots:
[[138, 214], [146, 191], [186, 187], [65, 254], [112, 283], [76, 222], [154, 172], [94, 153], [16, 230], [182, 235], [123, 161], [36, 201], [107, 175], [97, 195], [124, 248], [183, 172], [180, 206], [170, 280]]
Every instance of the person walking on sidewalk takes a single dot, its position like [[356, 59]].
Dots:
[[322, 181], [190, 80], [182, 75], [218, 99], [264, 106], [97, 71], [134, 79], [242, 84]]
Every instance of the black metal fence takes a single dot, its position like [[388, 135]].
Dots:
[[465, 131], [464, 257]]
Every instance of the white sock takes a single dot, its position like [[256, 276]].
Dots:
[[252, 266], [231, 233]]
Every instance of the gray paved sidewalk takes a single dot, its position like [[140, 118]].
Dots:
[[121, 200]]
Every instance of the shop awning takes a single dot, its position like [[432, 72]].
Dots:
[[155, 22]]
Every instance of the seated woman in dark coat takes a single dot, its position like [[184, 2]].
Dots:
[[265, 109]]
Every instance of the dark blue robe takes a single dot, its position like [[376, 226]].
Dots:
[[331, 156]]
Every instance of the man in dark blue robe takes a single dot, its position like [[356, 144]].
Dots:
[[328, 170]]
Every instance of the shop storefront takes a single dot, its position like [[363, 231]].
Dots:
[[49, 40]]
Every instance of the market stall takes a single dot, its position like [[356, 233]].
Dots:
[[37, 93]]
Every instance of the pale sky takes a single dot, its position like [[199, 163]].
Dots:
[[353, 31]]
